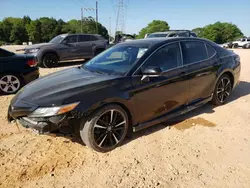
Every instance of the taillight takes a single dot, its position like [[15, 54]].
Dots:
[[32, 62]]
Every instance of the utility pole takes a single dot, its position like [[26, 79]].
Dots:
[[81, 20], [96, 17], [120, 20], [109, 29]]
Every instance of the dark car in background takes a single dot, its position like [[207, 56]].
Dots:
[[172, 33], [67, 47], [16, 70], [129, 87]]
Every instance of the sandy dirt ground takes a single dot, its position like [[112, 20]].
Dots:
[[209, 147]]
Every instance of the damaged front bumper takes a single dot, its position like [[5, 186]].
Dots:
[[20, 111], [44, 125]]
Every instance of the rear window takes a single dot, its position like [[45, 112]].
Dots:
[[193, 51], [157, 35], [210, 51], [98, 37], [223, 52], [92, 38], [4, 53]]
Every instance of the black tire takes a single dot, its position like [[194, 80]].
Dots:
[[50, 60], [109, 133], [222, 92], [235, 45], [10, 83]]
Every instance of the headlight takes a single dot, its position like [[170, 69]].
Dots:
[[33, 50], [52, 111]]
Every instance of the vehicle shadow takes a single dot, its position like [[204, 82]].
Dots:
[[241, 90]]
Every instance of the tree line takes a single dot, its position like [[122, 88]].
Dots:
[[18, 30], [219, 32]]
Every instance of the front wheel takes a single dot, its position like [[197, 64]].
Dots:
[[222, 90], [49, 60], [106, 129]]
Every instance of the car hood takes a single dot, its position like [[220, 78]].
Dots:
[[37, 46], [55, 88]]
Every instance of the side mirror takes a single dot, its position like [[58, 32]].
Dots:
[[150, 72]]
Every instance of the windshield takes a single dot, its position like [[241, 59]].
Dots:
[[157, 35], [240, 40], [57, 39], [116, 60]]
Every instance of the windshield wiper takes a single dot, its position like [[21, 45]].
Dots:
[[91, 70]]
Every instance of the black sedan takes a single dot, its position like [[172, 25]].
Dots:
[[128, 87], [16, 70]]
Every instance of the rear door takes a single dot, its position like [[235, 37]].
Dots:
[[166, 92], [201, 60], [85, 46]]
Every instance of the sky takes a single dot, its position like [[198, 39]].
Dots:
[[180, 14]]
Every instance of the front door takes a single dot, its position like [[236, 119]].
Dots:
[[68, 49], [165, 93]]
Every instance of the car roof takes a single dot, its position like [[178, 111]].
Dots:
[[150, 42], [171, 31], [72, 34]]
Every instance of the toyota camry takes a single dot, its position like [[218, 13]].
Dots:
[[127, 88]]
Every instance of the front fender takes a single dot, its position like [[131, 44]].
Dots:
[[93, 100], [42, 52]]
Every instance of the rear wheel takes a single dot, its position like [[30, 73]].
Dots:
[[222, 90], [106, 128], [49, 60], [10, 83]]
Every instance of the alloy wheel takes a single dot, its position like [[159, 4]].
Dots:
[[224, 89], [50, 60], [109, 128], [9, 84]]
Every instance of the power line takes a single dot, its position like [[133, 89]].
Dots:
[[76, 3]]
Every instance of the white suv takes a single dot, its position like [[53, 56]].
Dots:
[[241, 42]]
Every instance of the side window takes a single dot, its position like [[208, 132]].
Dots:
[[84, 38], [71, 39], [193, 51], [186, 34], [166, 58], [248, 39], [92, 38], [210, 51]]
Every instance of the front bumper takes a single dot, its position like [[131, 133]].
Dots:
[[20, 110], [42, 125]]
